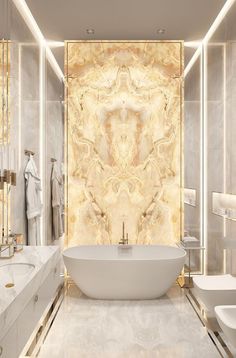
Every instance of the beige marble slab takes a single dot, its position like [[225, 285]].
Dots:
[[124, 141], [4, 91], [4, 133]]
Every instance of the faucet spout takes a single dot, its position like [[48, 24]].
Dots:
[[123, 240]]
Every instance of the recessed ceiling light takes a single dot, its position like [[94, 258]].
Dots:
[[90, 31], [161, 31]]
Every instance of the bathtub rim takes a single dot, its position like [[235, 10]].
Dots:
[[178, 249]]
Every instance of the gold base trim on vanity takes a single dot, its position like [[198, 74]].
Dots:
[[32, 347]]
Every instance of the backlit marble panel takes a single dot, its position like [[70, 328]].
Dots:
[[4, 134], [124, 141], [4, 88]]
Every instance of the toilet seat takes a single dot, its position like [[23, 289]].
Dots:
[[215, 282]]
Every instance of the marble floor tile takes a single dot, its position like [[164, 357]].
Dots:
[[167, 327]]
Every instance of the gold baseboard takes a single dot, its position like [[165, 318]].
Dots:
[[40, 332], [185, 281]]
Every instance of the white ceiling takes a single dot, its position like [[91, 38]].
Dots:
[[62, 20]]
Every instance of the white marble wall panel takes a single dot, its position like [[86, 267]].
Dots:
[[192, 153], [54, 139], [215, 153], [24, 106], [231, 141], [26, 119]]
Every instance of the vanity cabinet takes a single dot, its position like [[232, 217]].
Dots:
[[8, 345], [18, 335]]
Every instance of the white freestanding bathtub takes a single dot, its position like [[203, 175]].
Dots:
[[124, 271]]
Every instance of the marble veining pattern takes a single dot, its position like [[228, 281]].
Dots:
[[124, 109], [13, 300], [167, 327], [4, 129], [4, 88]]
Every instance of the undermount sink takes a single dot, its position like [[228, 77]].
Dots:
[[13, 273]]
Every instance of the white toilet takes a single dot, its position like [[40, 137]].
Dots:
[[226, 317], [216, 290], [212, 291]]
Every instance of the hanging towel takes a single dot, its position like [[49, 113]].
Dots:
[[33, 202], [57, 202]]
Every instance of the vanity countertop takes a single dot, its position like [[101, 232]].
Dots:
[[41, 259]]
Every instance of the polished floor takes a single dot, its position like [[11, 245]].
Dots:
[[165, 328]]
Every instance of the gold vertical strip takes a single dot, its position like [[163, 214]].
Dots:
[[66, 120], [181, 140]]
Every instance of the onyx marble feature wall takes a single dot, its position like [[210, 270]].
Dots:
[[124, 141]]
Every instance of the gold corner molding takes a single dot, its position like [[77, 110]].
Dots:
[[124, 141]]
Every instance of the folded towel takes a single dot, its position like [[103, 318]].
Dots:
[[190, 241]]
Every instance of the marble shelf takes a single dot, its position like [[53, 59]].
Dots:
[[190, 196], [224, 205]]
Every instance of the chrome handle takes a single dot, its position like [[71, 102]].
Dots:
[[36, 298]]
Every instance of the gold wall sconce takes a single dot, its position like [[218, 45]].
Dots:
[[8, 177], [1, 182]]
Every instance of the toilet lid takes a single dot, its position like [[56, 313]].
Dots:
[[216, 282]]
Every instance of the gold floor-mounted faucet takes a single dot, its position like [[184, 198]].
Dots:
[[123, 240]]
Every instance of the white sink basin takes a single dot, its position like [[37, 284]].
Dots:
[[12, 274], [226, 317]]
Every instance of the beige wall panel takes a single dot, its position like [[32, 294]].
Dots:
[[124, 141]]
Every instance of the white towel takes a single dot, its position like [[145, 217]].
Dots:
[[33, 202], [57, 202]]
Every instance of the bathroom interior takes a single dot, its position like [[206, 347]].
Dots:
[[117, 178]]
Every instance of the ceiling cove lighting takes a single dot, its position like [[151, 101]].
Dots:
[[209, 34], [33, 26], [55, 44], [192, 44]]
